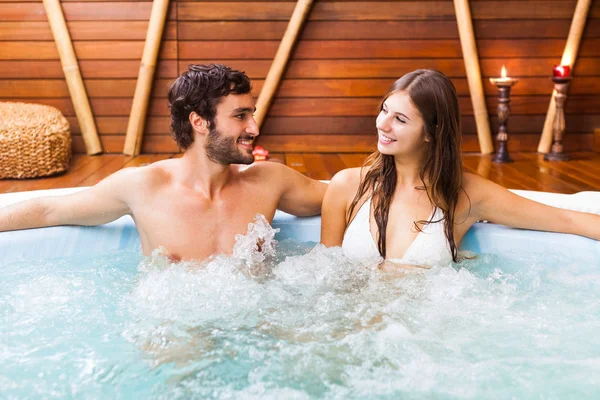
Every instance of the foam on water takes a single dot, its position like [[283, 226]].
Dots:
[[300, 322]]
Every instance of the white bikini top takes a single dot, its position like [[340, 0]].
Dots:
[[430, 247]]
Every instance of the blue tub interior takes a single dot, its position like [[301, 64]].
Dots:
[[53, 242]]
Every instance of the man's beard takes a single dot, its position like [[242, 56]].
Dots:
[[223, 149]]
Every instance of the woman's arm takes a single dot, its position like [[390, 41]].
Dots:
[[497, 204], [333, 214]]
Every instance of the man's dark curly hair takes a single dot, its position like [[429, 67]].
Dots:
[[200, 89]]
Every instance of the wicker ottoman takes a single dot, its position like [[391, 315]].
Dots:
[[34, 140]]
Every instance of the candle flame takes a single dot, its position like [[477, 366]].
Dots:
[[503, 75]]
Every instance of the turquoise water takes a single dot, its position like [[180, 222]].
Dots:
[[294, 326]]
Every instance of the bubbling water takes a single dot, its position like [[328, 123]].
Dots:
[[307, 322]]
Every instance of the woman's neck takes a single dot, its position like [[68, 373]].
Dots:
[[408, 171]]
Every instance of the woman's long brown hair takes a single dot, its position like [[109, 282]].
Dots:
[[434, 96]]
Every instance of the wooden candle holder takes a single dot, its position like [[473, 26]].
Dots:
[[504, 85], [561, 84]]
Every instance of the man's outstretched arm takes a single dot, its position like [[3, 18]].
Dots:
[[302, 196], [100, 204]]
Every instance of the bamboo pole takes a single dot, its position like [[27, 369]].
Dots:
[[281, 58], [70, 68], [568, 58], [143, 87], [469, 50]]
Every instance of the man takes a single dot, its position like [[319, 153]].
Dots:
[[195, 205]]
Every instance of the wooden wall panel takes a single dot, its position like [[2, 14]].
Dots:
[[45, 69], [108, 38], [377, 10], [88, 50], [349, 30], [348, 53], [83, 30], [82, 11], [392, 69], [379, 49]]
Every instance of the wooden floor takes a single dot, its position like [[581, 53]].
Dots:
[[529, 171]]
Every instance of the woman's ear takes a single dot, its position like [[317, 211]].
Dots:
[[198, 123], [428, 136]]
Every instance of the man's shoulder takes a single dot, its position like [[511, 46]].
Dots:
[[265, 170], [148, 175]]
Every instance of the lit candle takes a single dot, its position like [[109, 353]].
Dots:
[[504, 80], [503, 77], [561, 71]]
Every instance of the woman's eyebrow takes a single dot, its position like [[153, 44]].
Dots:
[[399, 113], [396, 112]]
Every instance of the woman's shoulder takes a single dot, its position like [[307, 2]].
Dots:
[[473, 183], [478, 188], [470, 179], [348, 179], [342, 188]]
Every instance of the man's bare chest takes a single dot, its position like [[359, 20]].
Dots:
[[191, 227]]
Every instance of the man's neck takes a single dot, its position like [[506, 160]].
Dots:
[[203, 175]]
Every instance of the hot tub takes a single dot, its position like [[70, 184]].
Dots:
[[84, 315]]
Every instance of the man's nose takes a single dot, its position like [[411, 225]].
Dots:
[[253, 127]]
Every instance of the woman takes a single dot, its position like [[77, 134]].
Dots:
[[411, 202]]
